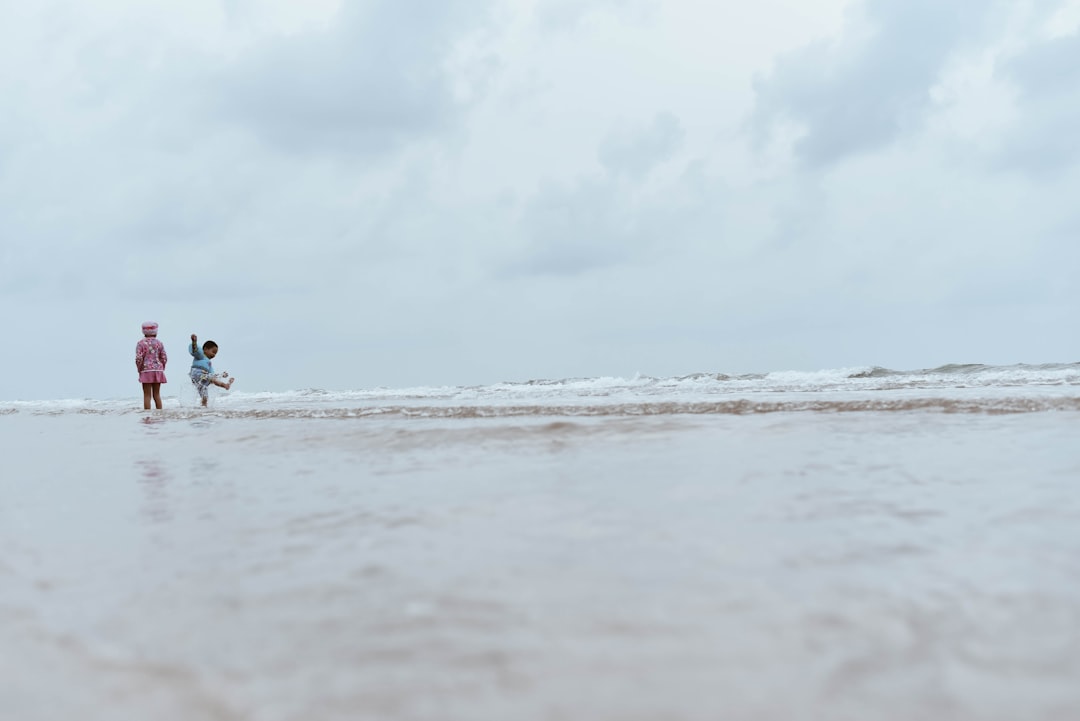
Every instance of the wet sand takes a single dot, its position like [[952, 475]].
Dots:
[[861, 565]]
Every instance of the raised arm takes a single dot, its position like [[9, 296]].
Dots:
[[193, 349]]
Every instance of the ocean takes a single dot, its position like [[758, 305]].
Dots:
[[858, 543]]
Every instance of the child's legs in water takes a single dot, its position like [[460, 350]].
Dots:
[[201, 381], [147, 392], [156, 390]]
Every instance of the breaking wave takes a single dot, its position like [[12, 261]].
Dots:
[[953, 388]]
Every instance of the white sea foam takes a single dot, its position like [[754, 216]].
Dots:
[[1038, 382]]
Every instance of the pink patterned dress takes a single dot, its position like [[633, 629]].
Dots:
[[150, 359]]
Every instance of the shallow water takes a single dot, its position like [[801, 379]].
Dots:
[[790, 564]]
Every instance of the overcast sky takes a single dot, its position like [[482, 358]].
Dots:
[[424, 192]]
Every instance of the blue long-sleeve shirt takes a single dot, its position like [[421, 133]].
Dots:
[[201, 361]]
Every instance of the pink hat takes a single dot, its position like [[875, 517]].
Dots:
[[149, 328]]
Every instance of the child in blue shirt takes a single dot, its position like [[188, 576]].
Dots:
[[202, 370]]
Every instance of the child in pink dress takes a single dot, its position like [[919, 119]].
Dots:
[[150, 359]]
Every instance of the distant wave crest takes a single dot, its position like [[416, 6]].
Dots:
[[948, 388]]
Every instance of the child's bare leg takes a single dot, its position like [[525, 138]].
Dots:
[[146, 392], [156, 388]]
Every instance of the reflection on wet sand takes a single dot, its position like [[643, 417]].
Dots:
[[809, 565], [154, 480]]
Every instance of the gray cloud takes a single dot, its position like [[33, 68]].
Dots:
[[369, 83], [856, 96], [150, 164], [564, 15], [573, 229], [600, 222], [1046, 77], [637, 153]]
